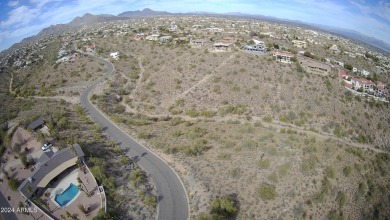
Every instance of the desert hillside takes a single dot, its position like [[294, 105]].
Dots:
[[275, 139]]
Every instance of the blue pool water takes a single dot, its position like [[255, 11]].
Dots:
[[63, 198]]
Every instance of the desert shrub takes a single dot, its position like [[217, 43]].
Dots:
[[264, 164], [223, 208], [267, 191], [231, 109], [347, 171], [196, 132], [341, 198], [356, 151], [309, 149], [192, 113], [176, 133], [267, 118], [273, 177], [150, 201], [325, 190], [224, 156], [363, 188], [309, 164], [136, 178], [258, 124], [196, 148], [176, 121], [235, 173], [208, 113], [330, 172], [336, 215], [249, 143], [284, 168], [143, 134]]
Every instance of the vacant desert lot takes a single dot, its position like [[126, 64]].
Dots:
[[283, 143]]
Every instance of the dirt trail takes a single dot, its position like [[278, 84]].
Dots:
[[274, 124], [69, 99], [11, 83], [141, 75], [202, 81]]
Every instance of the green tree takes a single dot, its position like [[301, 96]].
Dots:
[[13, 184], [24, 161], [348, 66]]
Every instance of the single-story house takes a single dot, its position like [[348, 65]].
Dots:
[[314, 66], [49, 167], [284, 57], [221, 47], [198, 43], [153, 37], [258, 48], [165, 39]]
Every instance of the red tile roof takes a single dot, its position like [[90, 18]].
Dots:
[[342, 73]]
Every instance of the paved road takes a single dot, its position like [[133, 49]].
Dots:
[[172, 199], [3, 206]]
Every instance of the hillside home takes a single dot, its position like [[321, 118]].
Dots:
[[214, 29], [334, 49], [364, 84], [380, 89], [48, 168], [221, 47], [314, 66], [115, 55], [165, 39], [172, 28], [283, 57], [153, 37], [198, 43], [299, 43], [90, 48], [258, 48], [139, 36]]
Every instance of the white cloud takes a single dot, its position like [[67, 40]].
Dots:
[[18, 17], [13, 3]]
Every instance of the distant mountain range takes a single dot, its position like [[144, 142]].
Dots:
[[88, 19]]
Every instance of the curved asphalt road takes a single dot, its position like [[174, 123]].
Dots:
[[172, 198]]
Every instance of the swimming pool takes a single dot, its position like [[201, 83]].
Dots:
[[66, 196]]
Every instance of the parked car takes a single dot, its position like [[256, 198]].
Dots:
[[46, 146]]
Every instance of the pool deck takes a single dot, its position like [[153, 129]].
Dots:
[[92, 203]]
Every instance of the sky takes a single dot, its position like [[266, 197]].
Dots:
[[24, 18]]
